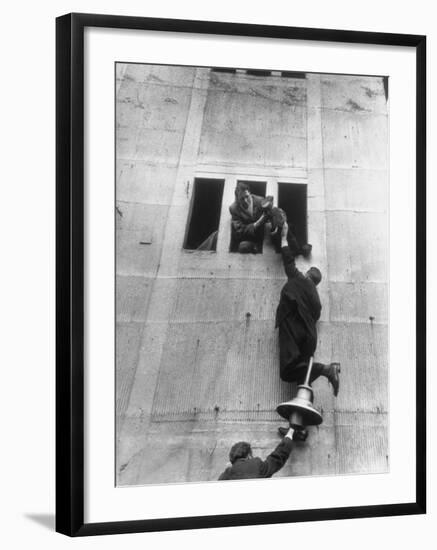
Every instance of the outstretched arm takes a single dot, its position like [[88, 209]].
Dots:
[[246, 230], [288, 257], [276, 460]]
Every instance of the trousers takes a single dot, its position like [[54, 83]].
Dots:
[[295, 351]]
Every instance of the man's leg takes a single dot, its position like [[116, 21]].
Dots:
[[330, 371], [297, 371], [289, 354], [294, 354]]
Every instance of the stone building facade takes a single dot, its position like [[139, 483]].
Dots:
[[196, 349]]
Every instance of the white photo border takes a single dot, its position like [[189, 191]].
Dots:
[[103, 501]]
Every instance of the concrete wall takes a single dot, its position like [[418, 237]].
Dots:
[[197, 354]]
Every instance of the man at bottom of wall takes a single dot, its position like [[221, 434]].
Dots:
[[245, 466]]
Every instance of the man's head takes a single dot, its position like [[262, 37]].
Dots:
[[314, 274], [242, 194], [240, 450]]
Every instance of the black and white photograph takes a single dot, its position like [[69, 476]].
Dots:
[[252, 274], [218, 275]]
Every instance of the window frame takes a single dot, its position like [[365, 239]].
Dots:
[[192, 199], [231, 175]]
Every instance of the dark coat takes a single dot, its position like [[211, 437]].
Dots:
[[242, 222], [251, 468], [298, 296]]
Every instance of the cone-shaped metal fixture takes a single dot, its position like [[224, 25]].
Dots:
[[299, 411]]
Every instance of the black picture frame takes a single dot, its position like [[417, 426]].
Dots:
[[70, 272]]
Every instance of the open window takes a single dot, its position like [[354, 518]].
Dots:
[[204, 216], [292, 198], [257, 188]]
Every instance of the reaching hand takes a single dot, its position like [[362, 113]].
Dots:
[[260, 220]]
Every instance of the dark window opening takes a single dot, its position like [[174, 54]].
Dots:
[[223, 70], [256, 188], [292, 198], [204, 217], [258, 72], [293, 74]]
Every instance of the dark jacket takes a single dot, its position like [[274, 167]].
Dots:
[[299, 294], [242, 222], [250, 468]]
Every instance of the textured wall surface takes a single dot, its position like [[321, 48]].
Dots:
[[197, 353]]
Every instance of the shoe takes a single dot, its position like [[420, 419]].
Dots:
[[333, 377], [306, 250]]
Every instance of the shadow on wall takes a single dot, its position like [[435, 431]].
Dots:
[[46, 520]]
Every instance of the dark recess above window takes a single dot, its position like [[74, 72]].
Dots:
[[258, 72], [293, 74], [223, 70]]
